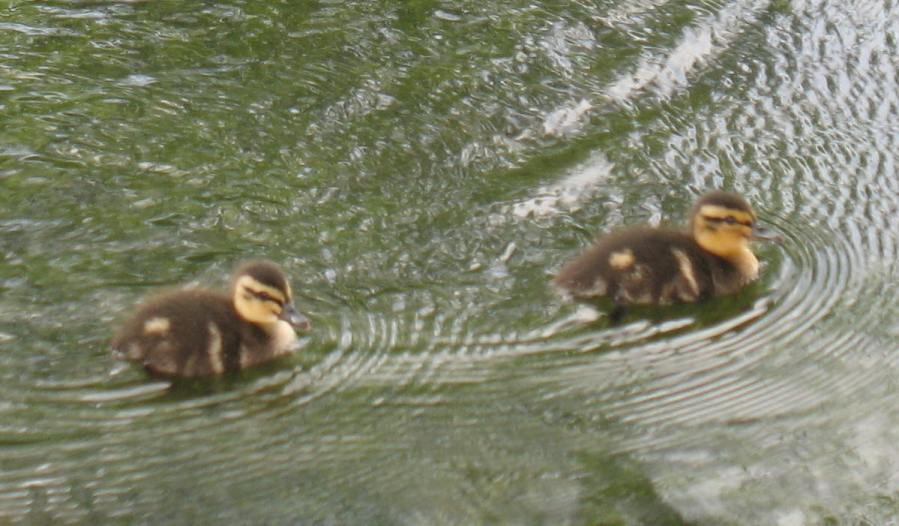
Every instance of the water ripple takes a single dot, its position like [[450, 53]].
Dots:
[[425, 173]]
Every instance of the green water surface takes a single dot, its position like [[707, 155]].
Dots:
[[421, 169]]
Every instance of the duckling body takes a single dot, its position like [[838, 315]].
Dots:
[[196, 332], [644, 265]]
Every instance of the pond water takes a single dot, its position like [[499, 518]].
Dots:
[[421, 169]]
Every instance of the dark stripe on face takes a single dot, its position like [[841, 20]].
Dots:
[[265, 296], [730, 220]]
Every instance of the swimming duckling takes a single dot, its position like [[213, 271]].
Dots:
[[195, 332], [643, 265]]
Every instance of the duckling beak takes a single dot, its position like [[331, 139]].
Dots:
[[291, 316], [761, 233]]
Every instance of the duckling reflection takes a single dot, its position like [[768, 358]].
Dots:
[[644, 265], [195, 332]]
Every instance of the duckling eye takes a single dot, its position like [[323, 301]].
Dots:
[[730, 220], [264, 296]]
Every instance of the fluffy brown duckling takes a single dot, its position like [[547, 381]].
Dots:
[[644, 265], [196, 332]]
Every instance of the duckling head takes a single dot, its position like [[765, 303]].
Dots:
[[723, 224], [262, 296]]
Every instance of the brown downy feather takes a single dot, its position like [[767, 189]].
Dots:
[[195, 332], [644, 265]]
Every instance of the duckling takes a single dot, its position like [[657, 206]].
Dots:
[[643, 265], [195, 332]]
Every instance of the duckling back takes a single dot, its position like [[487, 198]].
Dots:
[[198, 332], [184, 333], [192, 333], [643, 265]]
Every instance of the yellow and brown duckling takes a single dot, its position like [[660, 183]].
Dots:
[[644, 265], [195, 332]]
